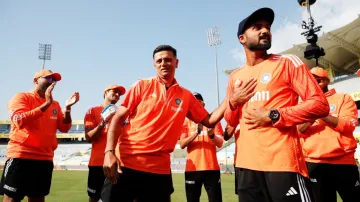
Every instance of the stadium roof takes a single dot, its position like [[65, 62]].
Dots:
[[342, 48]]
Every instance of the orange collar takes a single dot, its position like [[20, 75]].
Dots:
[[330, 92], [161, 81]]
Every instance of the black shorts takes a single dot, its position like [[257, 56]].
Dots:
[[142, 186], [211, 181], [23, 177], [96, 180], [327, 179], [255, 186]]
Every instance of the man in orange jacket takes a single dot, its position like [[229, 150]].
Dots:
[[35, 117], [329, 146]]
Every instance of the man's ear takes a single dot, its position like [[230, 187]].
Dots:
[[242, 39], [177, 63]]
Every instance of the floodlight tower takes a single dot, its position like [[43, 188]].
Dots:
[[213, 36], [44, 53]]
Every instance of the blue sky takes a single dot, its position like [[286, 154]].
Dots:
[[97, 43]]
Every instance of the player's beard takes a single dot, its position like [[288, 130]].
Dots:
[[44, 86], [257, 46]]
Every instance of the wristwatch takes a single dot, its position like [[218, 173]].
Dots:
[[274, 115]]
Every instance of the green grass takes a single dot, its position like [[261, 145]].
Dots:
[[70, 186]]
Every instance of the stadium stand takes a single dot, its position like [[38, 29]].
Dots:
[[73, 151]]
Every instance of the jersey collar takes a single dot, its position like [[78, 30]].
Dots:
[[330, 92]]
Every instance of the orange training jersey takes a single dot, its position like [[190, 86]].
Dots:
[[281, 79], [33, 132], [155, 121], [323, 144], [92, 120], [201, 152]]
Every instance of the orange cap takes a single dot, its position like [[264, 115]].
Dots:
[[112, 87], [47, 73], [320, 72], [358, 72]]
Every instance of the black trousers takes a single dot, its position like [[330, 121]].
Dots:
[[327, 179], [211, 181]]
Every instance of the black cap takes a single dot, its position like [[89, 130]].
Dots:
[[198, 96], [261, 14]]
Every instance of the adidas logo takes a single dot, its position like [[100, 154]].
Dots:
[[291, 192], [357, 183]]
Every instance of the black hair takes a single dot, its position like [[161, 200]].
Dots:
[[164, 48], [198, 96]]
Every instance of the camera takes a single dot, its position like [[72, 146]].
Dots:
[[312, 50]]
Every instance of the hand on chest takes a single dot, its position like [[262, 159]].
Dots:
[[268, 81]]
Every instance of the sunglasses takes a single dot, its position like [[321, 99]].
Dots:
[[320, 80], [49, 79]]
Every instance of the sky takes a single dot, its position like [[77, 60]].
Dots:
[[98, 43]]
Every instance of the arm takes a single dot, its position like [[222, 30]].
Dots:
[[212, 119], [74, 98], [92, 129], [314, 104], [217, 140], [20, 111], [229, 132], [92, 134], [216, 136], [64, 120], [232, 114], [347, 119], [238, 94], [185, 138], [131, 100], [67, 116], [303, 127], [115, 128], [65, 124], [232, 117], [184, 142]]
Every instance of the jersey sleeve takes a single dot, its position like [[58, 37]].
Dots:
[[20, 112], [232, 117], [133, 96], [61, 126], [196, 111], [348, 116], [218, 130], [314, 104], [89, 120]]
